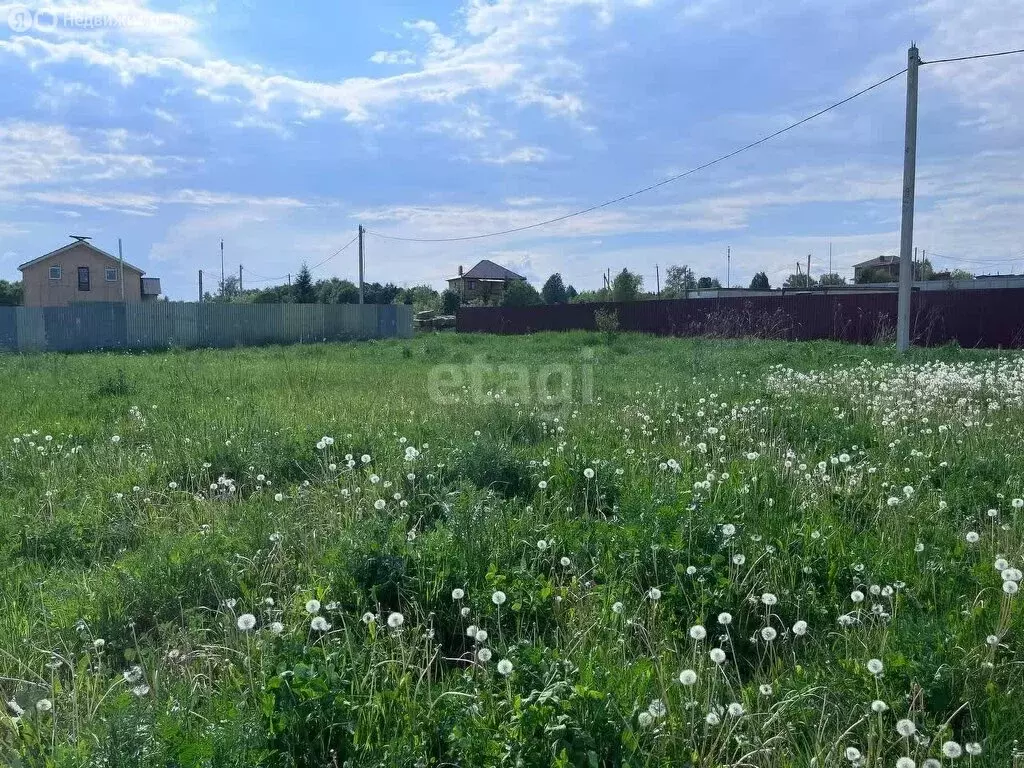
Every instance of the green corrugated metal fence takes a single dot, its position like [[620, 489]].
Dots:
[[159, 325]]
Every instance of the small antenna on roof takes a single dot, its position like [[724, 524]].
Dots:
[[80, 238]]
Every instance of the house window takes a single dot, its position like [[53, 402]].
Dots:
[[55, 273], [83, 278], [111, 274], [472, 284]]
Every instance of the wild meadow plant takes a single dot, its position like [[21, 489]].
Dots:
[[301, 557]]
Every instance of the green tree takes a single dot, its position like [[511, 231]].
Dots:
[[450, 302], [571, 293], [302, 288], [10, 293], [678, 280], [876, 275], [520, 293], [554, 290], [228, 289], [626, 286], [591, 297], [760, 282], [799, 280], [708, 283], [961, 274], [832, 278]]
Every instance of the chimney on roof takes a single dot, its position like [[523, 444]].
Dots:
[[460, 270]]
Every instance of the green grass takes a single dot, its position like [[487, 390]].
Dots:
[[124, 574]]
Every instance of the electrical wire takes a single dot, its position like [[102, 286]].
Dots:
[[336, 253], [649, 188], [975, 56]]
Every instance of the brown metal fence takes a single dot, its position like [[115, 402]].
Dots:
[[973, 318]]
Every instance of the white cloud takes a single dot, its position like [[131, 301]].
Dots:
[[393, 57], [501, 47], [521, 155]]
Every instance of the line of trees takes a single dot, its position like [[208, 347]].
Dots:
[[304, 290], [10, 293]]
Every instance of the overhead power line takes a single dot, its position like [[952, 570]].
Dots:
[[651, 187], [974, 56], [336, 253]]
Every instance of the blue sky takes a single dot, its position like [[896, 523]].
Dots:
[[281, 128]]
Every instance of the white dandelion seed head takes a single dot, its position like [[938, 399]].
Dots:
[[541, 544], [735, 709], [1001, 564], [588, 473], [712, 718], [471, 630], [875, 666], [566, 562], [458, 594], [319, 624], [697, 632], [972, 537], [505, 667], [132, 674], [905, 762], [857, 596], [464, 611], [1010, 587], [484, 655], [395, 620], [739, 558], [878, 706], [952, 749], [313, 606], [498, 597], [481, 635], [725, 619], [654, 593], [769, 633], [645, 719], [728, 529], [717, 655], [276, 628], [687, 677], [905, 727], [769, 599], [764, 689], [973, 748], [44, 705], [852, 754], [140, 690], [246, 622], [800, 628], [617, 607]]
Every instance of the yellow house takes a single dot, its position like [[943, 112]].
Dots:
[[79, 271]]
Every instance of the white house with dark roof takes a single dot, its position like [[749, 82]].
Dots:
[[486, 282]]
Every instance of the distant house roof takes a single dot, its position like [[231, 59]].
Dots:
[[488, 270], [68, 247], [878, 261]]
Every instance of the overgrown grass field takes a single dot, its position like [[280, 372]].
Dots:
[[554, 550]]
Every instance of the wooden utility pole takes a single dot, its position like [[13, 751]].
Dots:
[[239, 279], [222, 269], [907, 222], [361, 230], [728, 266], [289, 279], [808, 270], [657, 280], [200, 286]]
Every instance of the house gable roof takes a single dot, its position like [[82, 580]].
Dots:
[[878, 261], [68, 247], [488, 270]]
